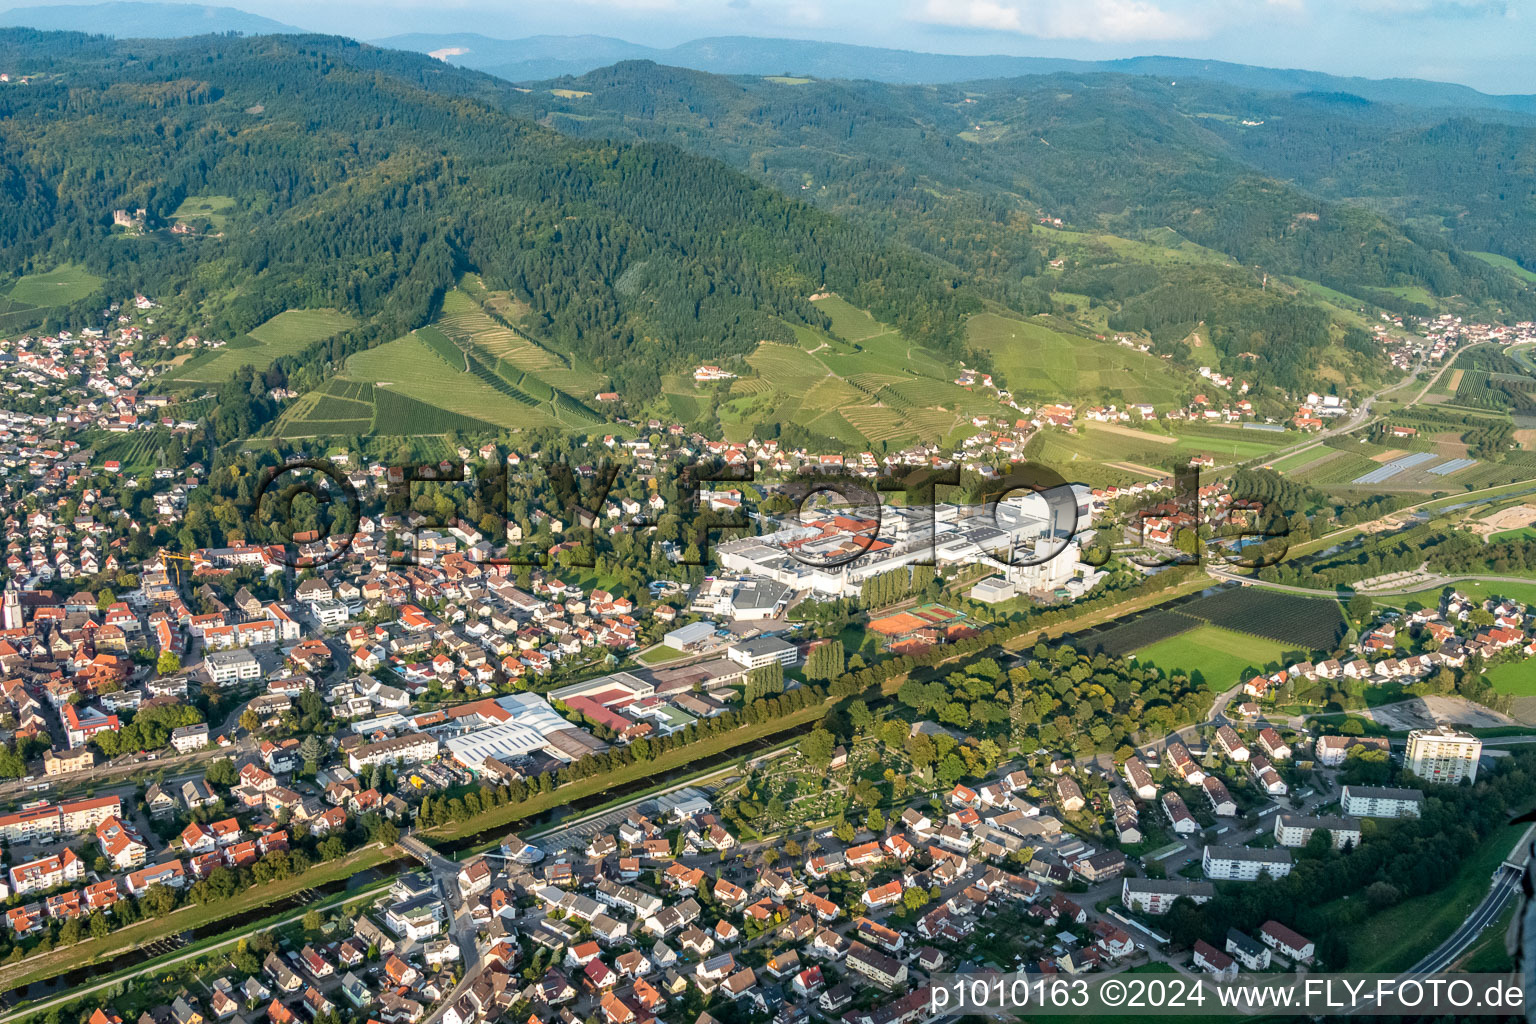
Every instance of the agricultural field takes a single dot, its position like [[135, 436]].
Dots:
[[528, 366], [1100, 453], [212, 211], [1035, 360], [1505, 263], [338, 408], [685, 408], [1221, 657], [849, 322], [1336, 471], [1302, 460], [286, 334], [1315, 624], [139, 451], [1231, 444], [410, 368], [465, 371], [1158, 245], [58, 287], [869, 384]]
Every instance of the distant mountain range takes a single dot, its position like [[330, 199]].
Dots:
[[142, 20], [538, 58], [542, 57]]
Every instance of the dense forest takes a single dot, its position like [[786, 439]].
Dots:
[[959, 170], [652, 216], [1470, 177], [368, 179]]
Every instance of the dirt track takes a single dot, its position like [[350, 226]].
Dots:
[[1140, 435]]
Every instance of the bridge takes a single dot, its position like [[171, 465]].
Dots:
[[1521, 854], [1506, 883], [461, 925]]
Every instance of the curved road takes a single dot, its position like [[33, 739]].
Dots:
[[1506, 884], [1431, 583]]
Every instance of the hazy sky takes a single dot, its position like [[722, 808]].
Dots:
[[1489, 44]]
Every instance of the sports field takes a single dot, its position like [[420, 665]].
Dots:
[[286, 334], [1222, 657]]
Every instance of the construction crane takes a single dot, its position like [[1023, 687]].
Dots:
[[165, 556]]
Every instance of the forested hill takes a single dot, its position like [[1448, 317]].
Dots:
[[368, 179], [955, 169], [540, 57]]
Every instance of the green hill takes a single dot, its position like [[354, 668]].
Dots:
[[369, 180], [1178, 217]]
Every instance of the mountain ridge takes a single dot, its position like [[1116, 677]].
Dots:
[[136, 20], [737, 55], [547, 56]]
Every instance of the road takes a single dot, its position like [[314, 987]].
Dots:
[[1358, 417], [461, 926], [1430, 582], [159, 964], [1506, 885]]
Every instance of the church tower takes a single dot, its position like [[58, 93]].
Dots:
[[10, 608]]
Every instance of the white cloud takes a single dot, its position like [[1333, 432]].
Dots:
[[1093, 20], [1432, 7]]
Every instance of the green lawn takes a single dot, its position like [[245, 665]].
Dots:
[[660, 654], [58, 287], [1221, 656], [286, 334], [1514, 677], [1505, 263], [1479, 589], [1488, 954], [212, 210]]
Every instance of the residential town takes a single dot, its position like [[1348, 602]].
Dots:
[[184, 726]]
